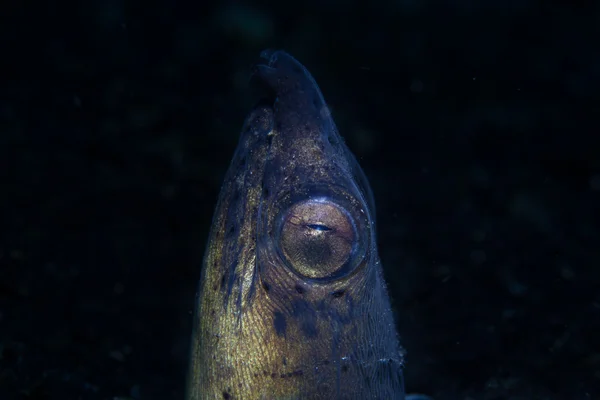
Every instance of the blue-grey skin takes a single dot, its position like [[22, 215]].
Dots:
[[292, 301]]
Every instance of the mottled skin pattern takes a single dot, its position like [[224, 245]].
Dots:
[[292, 301]]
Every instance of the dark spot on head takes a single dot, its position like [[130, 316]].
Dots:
[[279, 323], [266, 286], [231, 230], [332, 141], [323, 387], [344, 368], [222, 281], [265, 373], [309, 329], [266, 192], [306, 317], [232, 277], [269, 140], [299, 289], [325, 362], [284, 361], [273, 375], [298, 372], [337, 294], [212, 312], [226, 395], [316, 102], [282, 376]]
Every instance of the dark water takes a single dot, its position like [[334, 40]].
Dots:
[[476, 123]]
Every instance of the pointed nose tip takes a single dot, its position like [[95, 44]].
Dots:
[[267, 54]]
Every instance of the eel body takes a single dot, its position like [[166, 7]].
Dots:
[[292, 302]]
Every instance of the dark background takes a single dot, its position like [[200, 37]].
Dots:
[[476, 123]]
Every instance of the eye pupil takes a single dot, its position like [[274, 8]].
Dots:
[[319, 227]]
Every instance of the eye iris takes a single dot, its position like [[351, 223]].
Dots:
[[317, 238]]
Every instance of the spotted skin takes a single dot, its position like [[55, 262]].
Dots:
[[292, 302]]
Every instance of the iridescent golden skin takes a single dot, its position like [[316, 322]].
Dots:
[[292, 301]]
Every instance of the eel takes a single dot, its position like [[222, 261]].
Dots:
[[292, 301]]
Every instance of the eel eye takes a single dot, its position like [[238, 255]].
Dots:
[[318, 238]]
